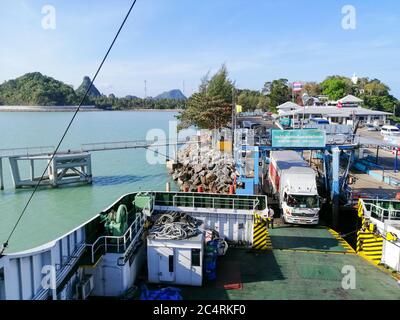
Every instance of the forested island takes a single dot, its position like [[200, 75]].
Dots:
[[36, 89]]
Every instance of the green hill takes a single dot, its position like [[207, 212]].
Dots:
[[36, 89]]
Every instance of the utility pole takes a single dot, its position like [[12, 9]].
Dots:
[[145, 94], [233, 119], [183, 91]]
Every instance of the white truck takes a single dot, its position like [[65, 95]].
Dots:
[[295, 184]]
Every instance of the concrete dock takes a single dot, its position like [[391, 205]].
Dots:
[[366, 186]]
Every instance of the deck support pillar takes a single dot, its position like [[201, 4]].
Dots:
[[256, 169], [335, 187], [325, 170]]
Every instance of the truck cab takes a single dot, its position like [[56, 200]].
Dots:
[[299, 196], [300, 208]]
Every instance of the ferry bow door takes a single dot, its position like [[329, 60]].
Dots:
[[166, 264]]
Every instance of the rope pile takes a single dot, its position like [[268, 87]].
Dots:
[[174, 226]]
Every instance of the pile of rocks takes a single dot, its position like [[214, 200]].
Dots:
[[211, 169]]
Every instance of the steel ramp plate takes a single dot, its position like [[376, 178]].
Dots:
[[298, 275], [305, 238]]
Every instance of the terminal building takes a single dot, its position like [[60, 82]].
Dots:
[[344, 111]]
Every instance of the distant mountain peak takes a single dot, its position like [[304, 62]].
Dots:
[[175, 94], [131, 97], [93, 92]]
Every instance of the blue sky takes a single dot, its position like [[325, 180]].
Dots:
[[168, 42]]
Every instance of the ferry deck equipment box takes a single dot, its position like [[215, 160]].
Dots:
[[176, 261]]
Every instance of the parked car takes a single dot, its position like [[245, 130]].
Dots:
[[371, 127], [250, 125], [267, 116], [319, 121], [390, 131]]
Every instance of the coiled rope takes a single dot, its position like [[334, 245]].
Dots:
[[174, 226]]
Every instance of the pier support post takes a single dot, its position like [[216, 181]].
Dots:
[[32, 166], [15, 171], [1, 174], [335, 187]]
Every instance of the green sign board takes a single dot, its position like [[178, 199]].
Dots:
[[298, 138], [285, 121]]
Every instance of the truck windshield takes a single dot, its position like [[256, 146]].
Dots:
[[302, 201]]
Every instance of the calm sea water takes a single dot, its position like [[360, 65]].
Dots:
[[114, 172]]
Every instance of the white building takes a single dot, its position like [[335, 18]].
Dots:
[[287, 106], [343, 111], [350, 101]]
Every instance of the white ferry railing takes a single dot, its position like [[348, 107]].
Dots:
[[214, 202], [62, 270], [376, 211], [116, 243]]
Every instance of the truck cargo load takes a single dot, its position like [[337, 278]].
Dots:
[[294, 183]]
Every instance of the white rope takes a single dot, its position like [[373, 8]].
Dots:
[[174, 226]]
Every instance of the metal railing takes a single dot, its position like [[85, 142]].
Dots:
[[26, 151], [372, 208], [62, 271], [118, 244], [214, 202], [117, 145]]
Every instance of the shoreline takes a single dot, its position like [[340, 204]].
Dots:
[[43, 109]]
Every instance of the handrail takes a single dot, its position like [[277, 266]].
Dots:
[[113, 145], [13, 152], [139, 220], [376, 211], [232, 202]]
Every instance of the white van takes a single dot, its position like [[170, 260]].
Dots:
[[390, 131]]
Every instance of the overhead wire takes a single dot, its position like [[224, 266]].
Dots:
[[6, 243]]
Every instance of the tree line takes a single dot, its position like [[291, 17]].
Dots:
[[35, 89], [211, 107]]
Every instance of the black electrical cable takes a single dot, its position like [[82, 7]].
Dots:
[[158, 152], [5, 245]]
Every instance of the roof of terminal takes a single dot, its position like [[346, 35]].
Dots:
[[335, 111]]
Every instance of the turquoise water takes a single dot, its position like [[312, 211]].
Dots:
[[55, 211]]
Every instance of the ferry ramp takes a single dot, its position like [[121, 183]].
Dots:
[[304, 264], [321, 239]]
